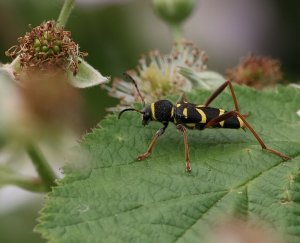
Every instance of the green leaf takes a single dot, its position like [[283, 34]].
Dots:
[[111, 197]]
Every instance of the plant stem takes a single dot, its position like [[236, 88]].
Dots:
[[176, 32], [41, 165], [32, 184], [65, 12], [10, 177]]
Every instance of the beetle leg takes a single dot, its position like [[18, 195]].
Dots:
[[219, 91], [181, 128], [236, 113], [153, 142], [182, 98]]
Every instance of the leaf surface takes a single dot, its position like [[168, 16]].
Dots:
[[108, 196]]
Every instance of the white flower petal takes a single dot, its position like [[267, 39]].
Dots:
[[12, 68], [297, 86], [206, 79]]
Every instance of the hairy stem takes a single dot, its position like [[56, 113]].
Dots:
[[30, 184], [41, 165], [65, 12], [10, 177]]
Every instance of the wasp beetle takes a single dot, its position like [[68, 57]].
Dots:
[[186, 115]]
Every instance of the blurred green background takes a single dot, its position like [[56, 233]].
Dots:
[[116, 33]]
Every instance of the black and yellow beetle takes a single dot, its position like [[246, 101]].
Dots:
[[186, 115]]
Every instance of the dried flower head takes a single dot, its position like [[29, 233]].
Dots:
[[256, 71], [158, 75], [47, 46]]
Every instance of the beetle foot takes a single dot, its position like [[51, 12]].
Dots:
[[143, 156], [188, 168]]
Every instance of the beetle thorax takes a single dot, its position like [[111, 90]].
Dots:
[[161, 110]]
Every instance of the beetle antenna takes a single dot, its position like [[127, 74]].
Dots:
[[135, 84], [129, 109]]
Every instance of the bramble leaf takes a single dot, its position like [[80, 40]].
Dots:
[[110, 197]]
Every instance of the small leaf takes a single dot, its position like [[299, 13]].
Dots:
[[87, 76], [111, 197], [208, 80]]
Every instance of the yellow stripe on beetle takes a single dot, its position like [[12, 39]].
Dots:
[[241, 122], [221, 122], [153, 111], [203, 116], [172, 112], [185, 112]]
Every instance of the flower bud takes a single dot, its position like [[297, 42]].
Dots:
[[173, 11]]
